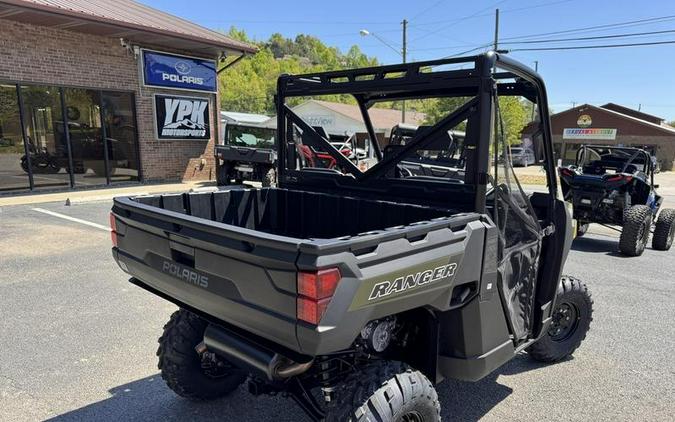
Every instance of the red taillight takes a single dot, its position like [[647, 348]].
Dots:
[[567, 172], [113, 230], [311, 310], [346, 152], [315, 290], [318, 285], [618, 177]]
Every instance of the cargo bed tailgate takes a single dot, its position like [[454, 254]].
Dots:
[[241, 276]]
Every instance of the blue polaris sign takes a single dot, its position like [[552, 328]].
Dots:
[[171, 71]]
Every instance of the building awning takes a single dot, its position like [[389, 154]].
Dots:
[[126, 19]]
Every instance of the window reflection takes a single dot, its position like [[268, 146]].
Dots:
[[86, 137], [46, 140], [120, 128], [100, 141], [13, 175]]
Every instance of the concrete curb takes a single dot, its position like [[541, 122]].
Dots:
[[106, 194]]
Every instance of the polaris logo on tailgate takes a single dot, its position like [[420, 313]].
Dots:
[[411, 281], [185, 274]]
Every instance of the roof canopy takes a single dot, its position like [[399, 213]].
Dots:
[[123, 19]]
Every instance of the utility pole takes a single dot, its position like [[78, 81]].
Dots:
[[404, 52], [496, 44]]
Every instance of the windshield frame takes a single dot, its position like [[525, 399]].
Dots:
[[268, 144]]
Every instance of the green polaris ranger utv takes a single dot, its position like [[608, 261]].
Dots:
[[354, 291]]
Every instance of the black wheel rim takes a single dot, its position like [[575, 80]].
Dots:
[[412, 416], [565, 320]]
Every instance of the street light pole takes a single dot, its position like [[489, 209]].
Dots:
[[496, 43], [403, 52]]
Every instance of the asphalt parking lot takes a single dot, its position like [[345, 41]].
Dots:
[[78, 341]]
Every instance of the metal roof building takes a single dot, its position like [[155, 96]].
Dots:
[[96, 93]]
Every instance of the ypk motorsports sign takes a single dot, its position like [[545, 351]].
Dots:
[[178, 117], [179, 72]]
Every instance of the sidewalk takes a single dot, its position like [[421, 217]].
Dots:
[[105, 194]]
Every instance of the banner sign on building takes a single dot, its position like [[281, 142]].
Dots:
[[589, 133], [178, 117], [179, 72]]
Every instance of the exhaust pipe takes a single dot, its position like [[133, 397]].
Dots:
[[250, 356]]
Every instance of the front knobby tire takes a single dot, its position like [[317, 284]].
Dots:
[[637, 223], [385, 391], [571, 320], [664, 230], [181, 365]]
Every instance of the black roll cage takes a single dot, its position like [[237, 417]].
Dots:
[[413, 81], [634, 153]]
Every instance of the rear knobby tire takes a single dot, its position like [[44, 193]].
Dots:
[[385, 391], [571, 317], [664, 232], [181, 364], [637, 223]]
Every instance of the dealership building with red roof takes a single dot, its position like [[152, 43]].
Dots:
[[609, 124], [97, 93]]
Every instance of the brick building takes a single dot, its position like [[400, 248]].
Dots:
[[611, 124], [95, 93]]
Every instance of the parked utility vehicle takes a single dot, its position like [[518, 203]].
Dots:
[[248, 153], [444, 157], [614, 186], [353, 291]]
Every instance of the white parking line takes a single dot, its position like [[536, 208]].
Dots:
[[69, 218]]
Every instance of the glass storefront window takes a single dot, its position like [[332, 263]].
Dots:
[[120, 128], [83, 110], [96, 147], [13, 165], [45, 137]]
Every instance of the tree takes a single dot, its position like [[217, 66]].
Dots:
[[250, 85]]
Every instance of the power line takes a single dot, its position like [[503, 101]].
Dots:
[[506, 39], [307, 22], [604, 27], [585, 47], [484, 46], [435, 31], [590, 28], [599, 37], [635, 34], [515, 9], [427, 9]]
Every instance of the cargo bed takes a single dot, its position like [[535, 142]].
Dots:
[[234, 255], [297, 214]]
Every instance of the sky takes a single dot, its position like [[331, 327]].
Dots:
[[637, 77]]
